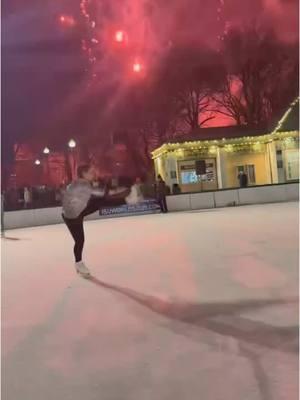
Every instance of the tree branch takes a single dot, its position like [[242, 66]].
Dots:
[[206, 120]]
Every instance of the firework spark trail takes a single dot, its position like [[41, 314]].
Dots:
[[151, 28], [142, 21], [144, 38]]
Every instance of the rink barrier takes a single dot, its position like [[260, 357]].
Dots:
[[51, 216], [234, 197], [181, 202]]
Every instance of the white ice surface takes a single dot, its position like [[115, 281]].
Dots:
[[196, 305]]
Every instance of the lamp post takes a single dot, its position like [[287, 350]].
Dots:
[[37, 173], [72, 145], [46, 152]]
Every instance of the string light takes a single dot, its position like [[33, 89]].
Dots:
[[254, 143]]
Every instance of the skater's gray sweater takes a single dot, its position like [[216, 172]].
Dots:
[[77, 196]]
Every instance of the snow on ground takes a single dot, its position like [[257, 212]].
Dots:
[[194, 305]]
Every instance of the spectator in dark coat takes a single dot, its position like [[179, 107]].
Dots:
[[243, 179], [176, 189], [161, 191]]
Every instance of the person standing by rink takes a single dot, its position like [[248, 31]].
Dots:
[[161, 191], [81, 199], [243, 179], [27, 197]]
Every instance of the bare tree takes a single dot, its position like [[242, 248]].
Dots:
[[192, 75], [285, 88], [261, 77], [229, 101], [146, 117]]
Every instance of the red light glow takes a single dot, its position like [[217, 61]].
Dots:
[[67, 20], [120, 36], [137, 67]]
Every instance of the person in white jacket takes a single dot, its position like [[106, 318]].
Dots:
[[135, 196], [27, 197]]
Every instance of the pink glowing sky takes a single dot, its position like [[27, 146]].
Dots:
[[40, 57]]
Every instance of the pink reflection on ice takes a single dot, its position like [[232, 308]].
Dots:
[[256, 274]]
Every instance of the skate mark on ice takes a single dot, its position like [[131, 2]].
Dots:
[[220, 318], [209, 210], [11, 238], [259, 372]]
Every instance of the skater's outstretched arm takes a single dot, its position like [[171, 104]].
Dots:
[[98, 192], [118, 193], [114, 192], [114, 198]]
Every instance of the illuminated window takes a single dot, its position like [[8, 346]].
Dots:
[[251, 174], [189, 177], [292, 164], [188, 172]]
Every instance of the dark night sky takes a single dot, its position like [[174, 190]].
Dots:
[[40, 64], [43, 69]]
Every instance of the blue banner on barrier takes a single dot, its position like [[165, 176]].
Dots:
[[145, 206]]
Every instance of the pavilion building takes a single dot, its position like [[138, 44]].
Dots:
[[267, 156]]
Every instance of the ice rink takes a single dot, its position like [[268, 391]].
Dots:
[[197, 305]]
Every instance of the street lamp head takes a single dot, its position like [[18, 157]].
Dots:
[[37, 162], [46, 150], [72, 144]]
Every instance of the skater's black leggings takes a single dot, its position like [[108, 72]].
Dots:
[[75, 225]]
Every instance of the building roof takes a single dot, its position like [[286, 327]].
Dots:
[[288, 126], [290, 120], [218, 133]]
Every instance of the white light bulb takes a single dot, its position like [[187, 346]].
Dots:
[[72, 144]]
